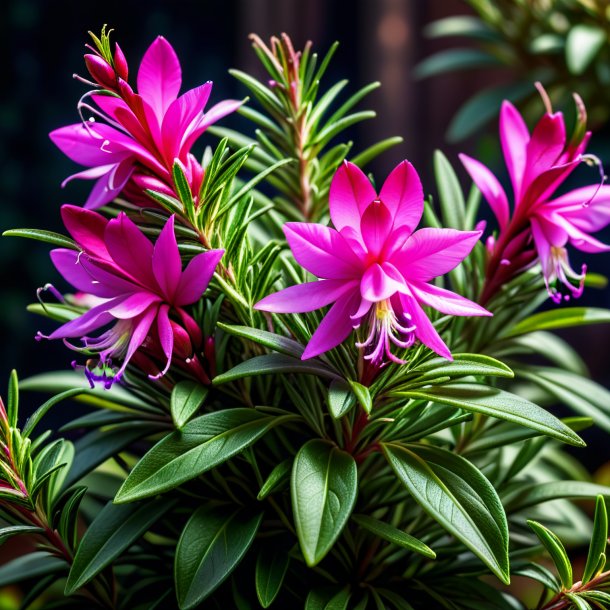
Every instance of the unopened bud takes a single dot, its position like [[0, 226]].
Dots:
[[120, 63], [101, 71]]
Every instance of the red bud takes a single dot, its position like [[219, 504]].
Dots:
[[101, 71], [120, 63]]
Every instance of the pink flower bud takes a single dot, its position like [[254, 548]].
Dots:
[[102, 73], [120, 63]]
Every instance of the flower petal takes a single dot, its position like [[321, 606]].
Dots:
[[138, 335], [403, 194], [109, 186], [375, 227], [431, 252], [578, 238], [196, 277], [159, 76], [489, 186], [91, 145], [587, 208], [335, 326], [306, 297], [350, 193], [133, 305], [446, 301], [514, 136], [87, 229], [166, 262], [166, 338], [379, 283], [321, 250], [214, 114]]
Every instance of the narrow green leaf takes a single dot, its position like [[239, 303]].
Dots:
[[363, 395], [211, 545], [16, 530], [183, 190], [112, 532], [599, 540], [557, 552], [566, 317], [202, 444], [580, 603], [278, 477], [275, 363], [271, 566], [460, 25], [284, 345], [583, 43], [186, 399], [392, 534], [35, 418], [452, 60], [372, 152], [455, 493], [31, 566], [324, 486], [12, 403], [49, 237], [500, 404], [464, 365], [341, 399], [540, 492]]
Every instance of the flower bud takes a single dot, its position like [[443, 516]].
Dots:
[[101, 71], [120, 63]]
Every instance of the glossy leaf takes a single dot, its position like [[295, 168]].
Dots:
[[565, 317], [341, 399], [599, 540], [31, 566], [186, 399], [363, 395], [211, 545], [17, 530], [324, 486], [271, 566], [284, 345], [56, 239], [276, 480], [454, 59], [557, 552], [451, 198]]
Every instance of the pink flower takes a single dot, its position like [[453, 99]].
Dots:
[[146, 131], [538, 164], [374, 268], [142, 288]]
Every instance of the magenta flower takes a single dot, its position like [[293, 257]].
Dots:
[[373, 267], [145, 131], [538, 164], [142, 288]]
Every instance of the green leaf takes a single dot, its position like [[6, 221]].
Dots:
[[454, 59], [537, 493], [557, 552], [579, 602], [31, 566], [463, 365], [56, 239], [394, 535], [460, 25], [455, 493], [183, 190], [271, 566], [341, 399], [202, 444], [372, 152], [16, 530], [284, 345], [500, 404], [324, 486], [453, 206], [599, 540], [583, 43], [12, 403], [278, 477], [363, 395], [560, 318], [272, 364], [328, 598], [112, 532], [186, 399], [211, 545], [35, 418]]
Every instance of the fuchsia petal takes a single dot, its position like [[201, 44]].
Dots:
[[550, 225], [446, 301], [307, 297], [587, 208], [196, 277], [403, 194], [166, 337], [87, 229], [514, 136], [432, 252], [107, 276], [424, 329], [489, 186], [214, 114], [159, 77], [166, 262], [133, 305], [335, 326], [131, 250], [579, 239], [375, 227], [90, 174], [350, 194], [90, 146], [544, 185], [380, 282], [118, 111], [109, 186], [138, 335], [543, 247], [321, 250]]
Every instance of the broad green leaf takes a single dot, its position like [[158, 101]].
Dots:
[[16, 530], [111, 533], [278, 477], [328, 598], [202, 444], [538, 493], [271, 566], [341, 399], [557, 552], [186, 399], [454, 59], [284, 345], [583, 43], [363, 395], [500, 404], [566, 317], [56, 239], [275, 363], [324, 486], [455, 493], [392, 534], [211, 545], [599, 540], [31, 566], [451, 198]]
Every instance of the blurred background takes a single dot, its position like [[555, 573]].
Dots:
[[511, 44]]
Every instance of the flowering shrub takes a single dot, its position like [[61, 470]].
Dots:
[[248, 447]]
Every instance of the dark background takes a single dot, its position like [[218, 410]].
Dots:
[[42, 46]]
